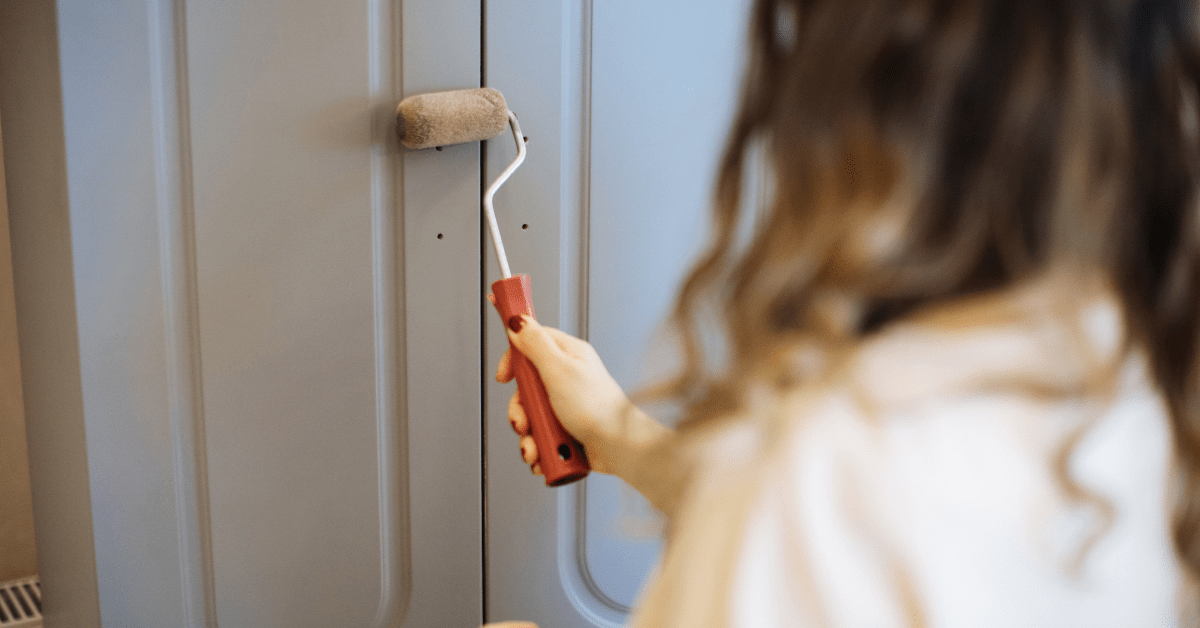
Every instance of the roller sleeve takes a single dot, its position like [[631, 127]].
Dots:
[[445, 118]]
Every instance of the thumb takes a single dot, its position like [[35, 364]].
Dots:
[[532, 340]]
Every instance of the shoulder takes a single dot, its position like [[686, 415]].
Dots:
[[1007, 473], [946, 474]]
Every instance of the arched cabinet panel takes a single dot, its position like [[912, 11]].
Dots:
[[626, 106]]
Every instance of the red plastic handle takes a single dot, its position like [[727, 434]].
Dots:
[[561, 456]]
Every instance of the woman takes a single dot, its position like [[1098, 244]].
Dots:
[[960, 385]]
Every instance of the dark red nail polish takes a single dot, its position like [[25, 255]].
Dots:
[[516, 323], [522, 453]]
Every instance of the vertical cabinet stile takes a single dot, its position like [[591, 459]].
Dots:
[[442, 302]]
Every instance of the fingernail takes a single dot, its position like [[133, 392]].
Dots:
[[522, 450], [516, 323], [513, 423]]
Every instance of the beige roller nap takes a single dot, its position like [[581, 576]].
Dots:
[[444, 118]]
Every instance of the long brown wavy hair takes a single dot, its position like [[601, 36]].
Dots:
[[985, 142]]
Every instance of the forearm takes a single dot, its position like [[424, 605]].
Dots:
[[643, 453]]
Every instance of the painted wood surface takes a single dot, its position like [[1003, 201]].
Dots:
[[257, 328], [253, 375], [626, 105]]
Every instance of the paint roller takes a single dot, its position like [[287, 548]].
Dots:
[[471, 115]]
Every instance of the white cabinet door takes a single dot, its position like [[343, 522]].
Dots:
[[626, 105], [256, 354], [249, 324]]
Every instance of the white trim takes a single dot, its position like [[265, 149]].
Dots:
[[177, 255], [395, 577]]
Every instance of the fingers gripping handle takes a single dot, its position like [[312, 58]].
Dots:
[[561, 456]]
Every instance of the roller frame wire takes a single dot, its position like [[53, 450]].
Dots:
[[488, 209]]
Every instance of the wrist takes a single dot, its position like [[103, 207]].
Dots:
[[636, 448]]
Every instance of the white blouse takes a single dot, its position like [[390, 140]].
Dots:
[[988, 466]]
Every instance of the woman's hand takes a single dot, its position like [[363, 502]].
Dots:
[[587, 400], [619, 438]]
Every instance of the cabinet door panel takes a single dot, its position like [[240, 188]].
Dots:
[[264, 438], [626, 105], [282, 187]]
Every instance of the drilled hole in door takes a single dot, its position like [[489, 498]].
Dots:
[[440, 236], [525, 227]]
